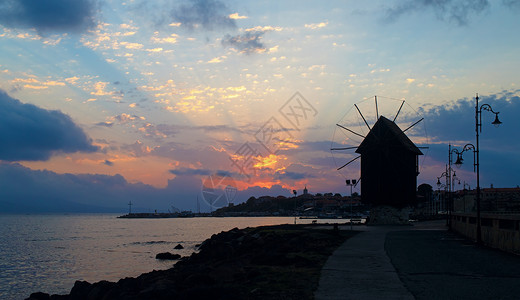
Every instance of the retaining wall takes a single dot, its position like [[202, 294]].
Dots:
[[501, 231]]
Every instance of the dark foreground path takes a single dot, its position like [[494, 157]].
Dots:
[[437, 264], [423, 261]]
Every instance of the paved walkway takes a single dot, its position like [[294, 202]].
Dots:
[[423, 261], [360, 269]]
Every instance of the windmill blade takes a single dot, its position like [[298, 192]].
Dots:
[[362, 116], [348, 163], [351, 131], [377, 110], [413, 125], [344, 148], [358, 181], [395, 118]]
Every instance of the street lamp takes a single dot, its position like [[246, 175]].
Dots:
[[450, 181], [351, 183], [439, 186], [447, 187], [476, 154]]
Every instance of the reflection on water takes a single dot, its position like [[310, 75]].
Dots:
[[50, 252]]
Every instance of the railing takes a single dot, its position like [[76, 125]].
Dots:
[[499, 230]]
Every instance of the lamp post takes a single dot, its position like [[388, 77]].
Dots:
[[476, 154], [351, 183], [450, 182], [458, 163], [464, 189], [447, 188], [439, 186]]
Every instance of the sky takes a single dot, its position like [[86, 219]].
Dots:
[[195, 104]]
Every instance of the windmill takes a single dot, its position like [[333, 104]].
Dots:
[[374, 141]]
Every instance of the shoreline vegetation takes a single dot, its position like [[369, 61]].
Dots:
[[267, 262]]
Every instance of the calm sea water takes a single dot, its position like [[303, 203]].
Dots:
[[49, 253]]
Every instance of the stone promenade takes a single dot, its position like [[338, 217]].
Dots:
[[423, 261]]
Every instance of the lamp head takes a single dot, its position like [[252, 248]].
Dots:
[[458, 163], [438, 182], [497, 121]]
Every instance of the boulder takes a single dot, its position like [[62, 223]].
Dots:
[[179, 246], [39, 296], [167, 255], [389, 215]]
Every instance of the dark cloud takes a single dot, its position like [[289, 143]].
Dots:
[[105, 124], [23, 190], [159, 131], [296, 172], [28, 132], [512, 3], [108, 163], [455, 123], [453, 11], [49, 16], [204, 14], [247, 43], [213, 128], [293, 175], [190, 172]]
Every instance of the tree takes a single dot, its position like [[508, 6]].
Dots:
[[425, 190]]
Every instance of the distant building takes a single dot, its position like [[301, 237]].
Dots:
[[389, 166], [491, 200]]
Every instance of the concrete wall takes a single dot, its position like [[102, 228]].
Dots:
[[501, 231]]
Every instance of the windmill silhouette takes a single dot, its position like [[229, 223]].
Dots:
[[371, 142]]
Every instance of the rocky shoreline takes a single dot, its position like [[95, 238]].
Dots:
[[269, 262]]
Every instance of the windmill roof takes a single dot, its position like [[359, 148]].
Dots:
[[386, 133]]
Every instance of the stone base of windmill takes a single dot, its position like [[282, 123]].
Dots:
[[389, 215]]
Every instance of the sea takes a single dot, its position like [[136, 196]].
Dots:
[[49, 252]]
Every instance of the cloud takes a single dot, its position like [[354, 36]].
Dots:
[[236, 16], [105, 124], [249, 42], [205, 14], [453, 11], [190, 172], [296, 172], [61, 16], [316, 25], [31, 133], [25, 190], [108, 163], [512, 3], [455, 123]]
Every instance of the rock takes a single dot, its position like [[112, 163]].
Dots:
[[223, 268], [80, 290], [167, 255], [39, 296], [101, 289], [179, 246], [388, 215], [199, 279]]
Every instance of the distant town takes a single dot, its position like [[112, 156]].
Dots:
[[430, 204]]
